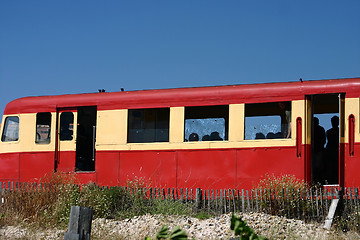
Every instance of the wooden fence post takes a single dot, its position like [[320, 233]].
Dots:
[[2, 193], [242, 200], [79, 223], [225, 201], [198, 198], [221, 201]]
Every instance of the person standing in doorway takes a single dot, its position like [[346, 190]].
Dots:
[[319, 143], [332, 151]]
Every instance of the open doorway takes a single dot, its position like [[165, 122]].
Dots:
[[85, 142], [326, 129]]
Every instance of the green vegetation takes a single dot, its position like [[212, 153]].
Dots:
[[176, 234], [243, 230], [291, 200], [290, 195], [51, 207], [239, 227], [278, 183]]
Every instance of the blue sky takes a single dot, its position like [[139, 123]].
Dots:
[[60, 47]]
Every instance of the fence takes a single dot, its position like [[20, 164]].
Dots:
[[309, 204]]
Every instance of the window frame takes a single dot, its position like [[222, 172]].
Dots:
[[3, 129], [289, 105], [61, 132], [226, 123], [128, 129], [48, 139]]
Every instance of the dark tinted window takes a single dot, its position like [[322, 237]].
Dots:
[[66, 126], [148, 125], [43, 128]]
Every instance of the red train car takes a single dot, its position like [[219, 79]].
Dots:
[[208, 137]]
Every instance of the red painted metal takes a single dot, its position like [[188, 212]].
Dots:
[[180, 168], [35, 165], [208, 169], [250, 93], [107, 166], [9, 166], [85, 177], [352, 166], [307, 163], [148, 168], [254, 164], [342, 165], [66, 161]]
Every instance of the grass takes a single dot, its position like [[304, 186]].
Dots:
[[49, 209], [39, 209], [289, 191]]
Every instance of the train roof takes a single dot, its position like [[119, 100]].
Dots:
[[198, 96]]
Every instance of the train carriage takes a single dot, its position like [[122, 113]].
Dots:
[[207, 137]]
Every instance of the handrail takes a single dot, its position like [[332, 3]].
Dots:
[[351, 134], [298, 136]]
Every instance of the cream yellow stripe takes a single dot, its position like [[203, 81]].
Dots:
[[27, 136], [177, 115], [298, 110], [236, 122], [352, 106], [174, 146], [112, 131], [198, 145], [112, 127]]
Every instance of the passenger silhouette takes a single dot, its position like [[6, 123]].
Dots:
[[206, 137], [332, 152], [259, 135], [193, 137], [319, 136], [278, 135], [333, 134], [215, 136], [270, 135], [319, 140]]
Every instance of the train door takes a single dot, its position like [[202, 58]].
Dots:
[[75, 146], [326, 131], [65, 140], [86, 138]]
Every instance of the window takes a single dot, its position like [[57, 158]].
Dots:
[[208, 123], [43, 128], [268, 120], [148, 125], [66, 126], [11, 129]]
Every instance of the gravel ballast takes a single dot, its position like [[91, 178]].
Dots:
[[218, 227]]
